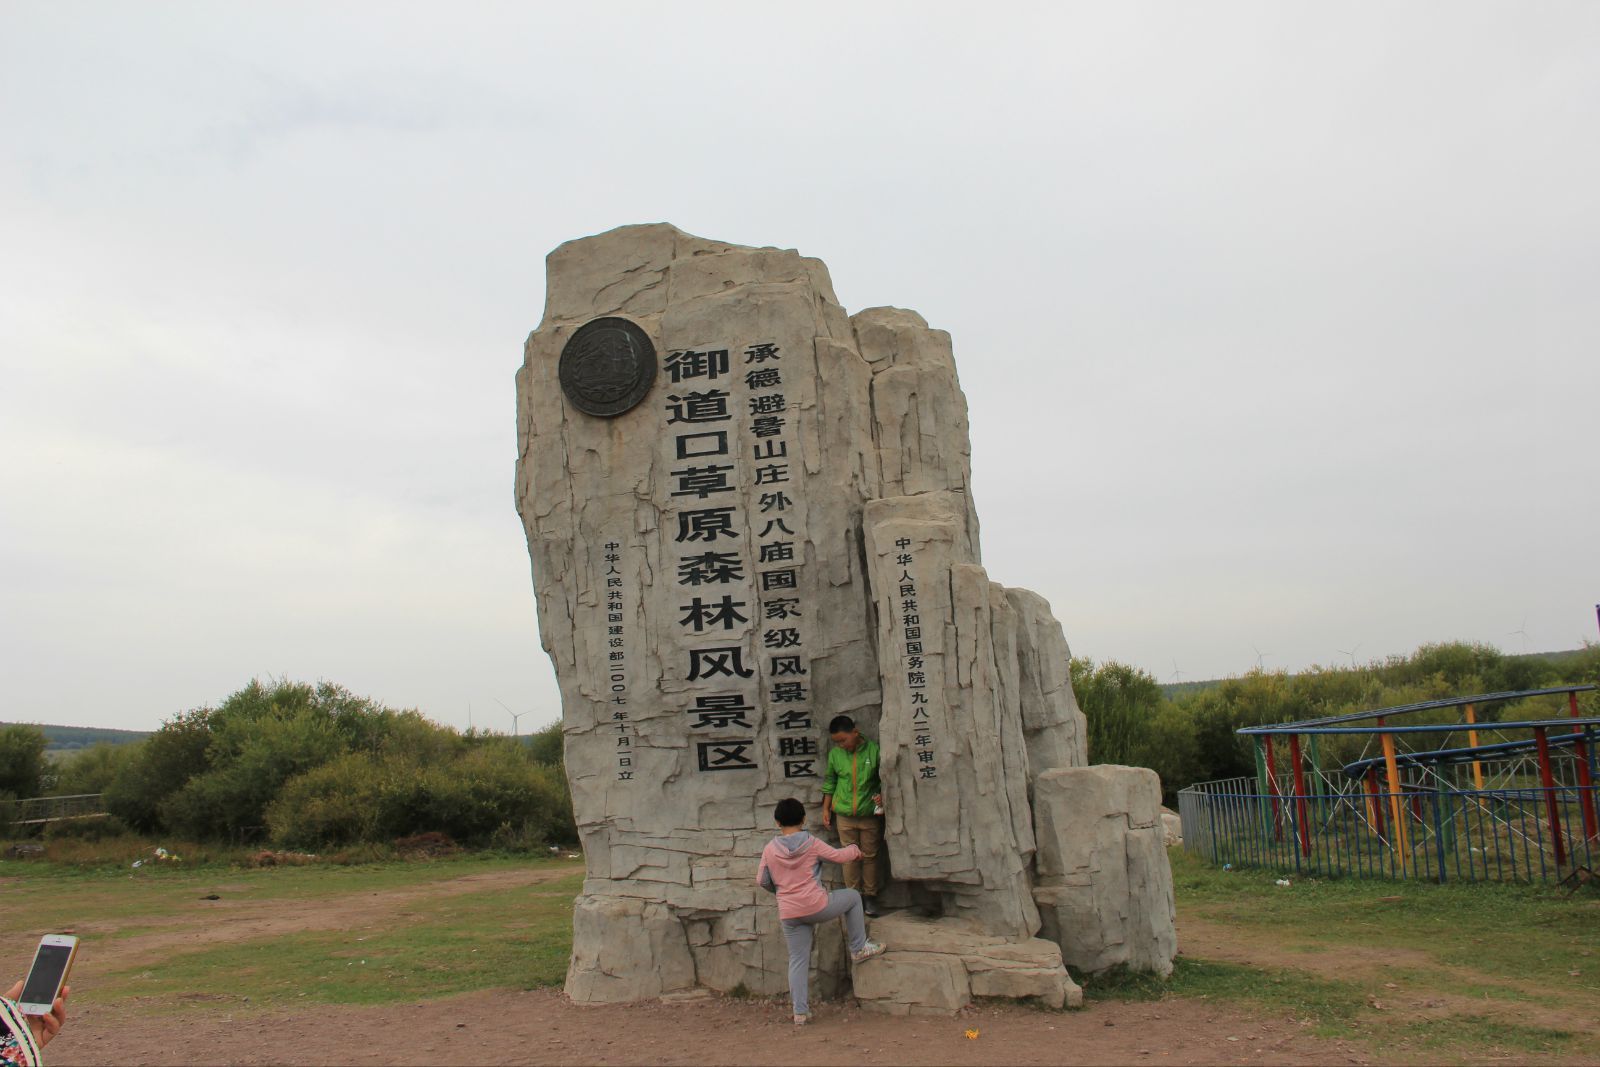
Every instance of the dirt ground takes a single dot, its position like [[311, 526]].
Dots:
[[542, 1027]]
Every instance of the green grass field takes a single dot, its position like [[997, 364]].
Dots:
[[1409, 968], [1410, 972]]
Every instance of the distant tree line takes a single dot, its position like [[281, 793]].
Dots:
[[72, 738], [311, 767], [316, 767], [1189, 736]]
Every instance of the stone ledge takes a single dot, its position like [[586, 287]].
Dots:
[[936, 967]]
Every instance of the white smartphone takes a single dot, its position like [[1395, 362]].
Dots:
[[51, 965]]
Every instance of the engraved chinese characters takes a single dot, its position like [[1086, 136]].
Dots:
[[748, 512], [910, 632], [607, 367], [732, 520], [616, 664]]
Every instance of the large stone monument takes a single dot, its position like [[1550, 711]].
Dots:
[[749, 512]]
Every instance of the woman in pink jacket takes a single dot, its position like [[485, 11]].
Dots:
[[791, 866]]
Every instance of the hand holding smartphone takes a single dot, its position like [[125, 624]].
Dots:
[[51, 965]]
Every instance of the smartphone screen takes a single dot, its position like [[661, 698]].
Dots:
[[44, 981]]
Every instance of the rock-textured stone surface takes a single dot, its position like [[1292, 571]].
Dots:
[[1171, 827], [781, 531], [1102, 880], [937, 966]]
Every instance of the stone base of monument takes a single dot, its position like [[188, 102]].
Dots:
[[1103, 884], [938, 966]]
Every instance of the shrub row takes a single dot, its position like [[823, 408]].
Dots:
[[313, 767]]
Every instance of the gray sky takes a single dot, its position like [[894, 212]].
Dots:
[[1278, 322]]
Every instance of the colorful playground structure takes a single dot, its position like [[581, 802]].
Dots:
[[1439, 790]]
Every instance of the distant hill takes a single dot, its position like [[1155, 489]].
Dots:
[[72, 738], [1173, 690]]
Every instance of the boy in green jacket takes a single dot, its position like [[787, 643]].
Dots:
[[852, 793]]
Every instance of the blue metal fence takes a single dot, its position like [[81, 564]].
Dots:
[[1525, 833]]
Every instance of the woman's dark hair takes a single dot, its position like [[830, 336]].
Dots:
[[841, 724], [789, 812]]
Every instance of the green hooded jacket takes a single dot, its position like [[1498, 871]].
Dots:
[[852, 778]]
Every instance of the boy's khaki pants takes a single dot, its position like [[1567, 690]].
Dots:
[[866, 832]]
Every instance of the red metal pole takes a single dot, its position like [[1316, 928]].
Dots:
[[1376, 804], [1591, 827], [1300, 796], [1272, 787], [1549, 781]]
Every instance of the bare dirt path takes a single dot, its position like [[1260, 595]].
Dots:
[[542, 1027]]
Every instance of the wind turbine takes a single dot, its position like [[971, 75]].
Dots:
[[516, 716], [1177, 675], [1260, 655], [1351, 652], [1523, 631]]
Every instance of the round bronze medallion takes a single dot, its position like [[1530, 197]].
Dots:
[[607, 366]]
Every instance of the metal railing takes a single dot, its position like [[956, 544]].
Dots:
[[1478, 799], [1502, 834], [36, 811]]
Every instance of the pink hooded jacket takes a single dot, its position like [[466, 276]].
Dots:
[[791, 866]]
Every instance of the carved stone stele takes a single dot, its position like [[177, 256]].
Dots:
[[781, 529]]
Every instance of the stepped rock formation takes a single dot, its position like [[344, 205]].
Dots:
[[748, 512]]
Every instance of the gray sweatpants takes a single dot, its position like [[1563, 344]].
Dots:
[[798, 933]]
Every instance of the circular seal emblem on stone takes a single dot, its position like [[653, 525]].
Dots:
[[607, 367]]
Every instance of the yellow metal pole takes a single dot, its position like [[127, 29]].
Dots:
[[1402, 845], [1472, 739]]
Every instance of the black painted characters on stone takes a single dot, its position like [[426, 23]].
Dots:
[[731, 755], [616, 662], [708, 406], [687, 364], [721, 711], [724, 661], [703, 481], [710, 568], [699, 445], [701, 615], [705, 524], [915, 663]]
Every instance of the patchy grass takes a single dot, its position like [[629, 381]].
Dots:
[[1506, 931], [1489, 968], [1484, 1035], [485, 940], [1330, 1005], [122, 903]]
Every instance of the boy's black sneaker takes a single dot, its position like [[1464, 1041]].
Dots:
[[869, 905]]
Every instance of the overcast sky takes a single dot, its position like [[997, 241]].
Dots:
[[1280, 324]]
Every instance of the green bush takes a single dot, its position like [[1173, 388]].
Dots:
[[548, 746], [1120, 703], [489, 794], [92, 769], [318, 767], [163, 764], [22, 762]]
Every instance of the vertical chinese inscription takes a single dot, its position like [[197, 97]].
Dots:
[[617, 661], [737, 543], [784, 665], [709, 532], [922, 741]]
